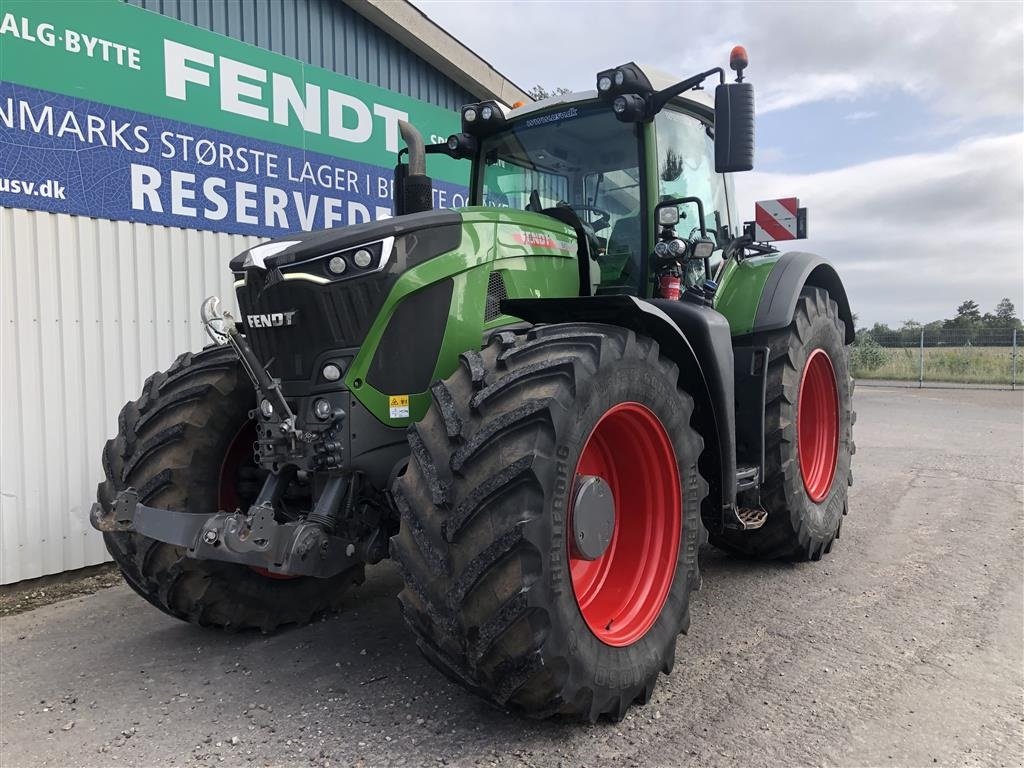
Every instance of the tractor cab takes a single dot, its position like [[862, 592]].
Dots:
[[611, 162]]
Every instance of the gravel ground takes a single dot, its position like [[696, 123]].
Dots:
[[902, 647], [35, 593]]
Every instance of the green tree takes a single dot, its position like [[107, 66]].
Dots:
[[880, 331], [1006, 312], [967, 320], [539, 92], [968, 311]]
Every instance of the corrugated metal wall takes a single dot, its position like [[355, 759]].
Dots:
[[89, 308], [324, 33]]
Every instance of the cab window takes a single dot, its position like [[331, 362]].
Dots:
[[686, 168], [580, 157]]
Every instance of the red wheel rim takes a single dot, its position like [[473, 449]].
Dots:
[[817, 425], [239, 453], [621, 593]]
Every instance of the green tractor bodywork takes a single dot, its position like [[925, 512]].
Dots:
[[488, 246], [421, 387]]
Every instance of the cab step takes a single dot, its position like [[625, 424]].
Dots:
[[752, 519]]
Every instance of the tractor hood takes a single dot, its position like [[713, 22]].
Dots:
[[316, 293], [314, 298], [304, 246]]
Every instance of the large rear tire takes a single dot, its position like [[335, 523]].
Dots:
[[186, 444], [495, 590], [808, 437]]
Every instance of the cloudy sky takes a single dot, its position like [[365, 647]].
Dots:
[[898, 125]]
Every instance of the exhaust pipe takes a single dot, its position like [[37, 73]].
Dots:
[[413, 188], [417, 154]]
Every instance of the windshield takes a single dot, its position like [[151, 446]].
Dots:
[[581, 157]]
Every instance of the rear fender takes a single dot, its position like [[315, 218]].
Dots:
[[714, 412]]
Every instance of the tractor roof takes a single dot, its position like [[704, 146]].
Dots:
[[659, 79]]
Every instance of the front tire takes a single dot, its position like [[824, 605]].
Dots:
[[496, 593], [183, 445]]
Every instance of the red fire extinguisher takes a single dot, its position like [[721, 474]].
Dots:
[[670, 284]]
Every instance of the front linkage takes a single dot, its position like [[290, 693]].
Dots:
[[304, 547]]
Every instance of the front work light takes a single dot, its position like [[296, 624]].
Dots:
[[629, 107], [461, 145], [628, 78], [702, 249], [668, 216], [483, 119]]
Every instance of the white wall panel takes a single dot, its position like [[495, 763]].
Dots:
[[89, 309]]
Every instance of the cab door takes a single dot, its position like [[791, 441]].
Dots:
[[685, 156]]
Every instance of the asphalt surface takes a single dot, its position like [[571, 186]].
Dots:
[[902, 647]]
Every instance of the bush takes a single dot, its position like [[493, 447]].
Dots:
[[867, 355]]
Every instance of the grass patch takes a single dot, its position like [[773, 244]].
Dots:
[[958, 365]]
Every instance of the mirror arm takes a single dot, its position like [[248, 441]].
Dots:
[[441, 148], [658, 100]]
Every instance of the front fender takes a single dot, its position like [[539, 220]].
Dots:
[[705, 372]]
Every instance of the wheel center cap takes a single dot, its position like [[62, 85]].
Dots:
[[593, 517]]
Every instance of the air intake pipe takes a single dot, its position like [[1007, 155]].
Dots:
[[413, 188]]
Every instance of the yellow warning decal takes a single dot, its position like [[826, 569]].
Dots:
[[399, 406]]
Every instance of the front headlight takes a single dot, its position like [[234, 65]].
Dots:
[[344, 264]]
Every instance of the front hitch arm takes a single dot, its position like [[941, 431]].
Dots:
[[255, 539], [221, 327]]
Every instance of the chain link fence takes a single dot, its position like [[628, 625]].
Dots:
[[943, 356]]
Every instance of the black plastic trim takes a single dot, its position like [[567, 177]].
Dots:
[[793, 271], [751, 369], [406, 356]]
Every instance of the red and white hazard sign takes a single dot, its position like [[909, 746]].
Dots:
[[781, 219]]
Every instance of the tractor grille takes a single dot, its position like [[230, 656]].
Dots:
[[326, 317], [496, 293]]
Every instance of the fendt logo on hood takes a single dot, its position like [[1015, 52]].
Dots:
[[272, 320]]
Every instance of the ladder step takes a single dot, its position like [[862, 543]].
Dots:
[[752, 519]]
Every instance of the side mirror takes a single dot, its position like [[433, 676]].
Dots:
[[734, 127]]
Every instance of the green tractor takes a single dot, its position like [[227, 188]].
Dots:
[[539, 406]]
